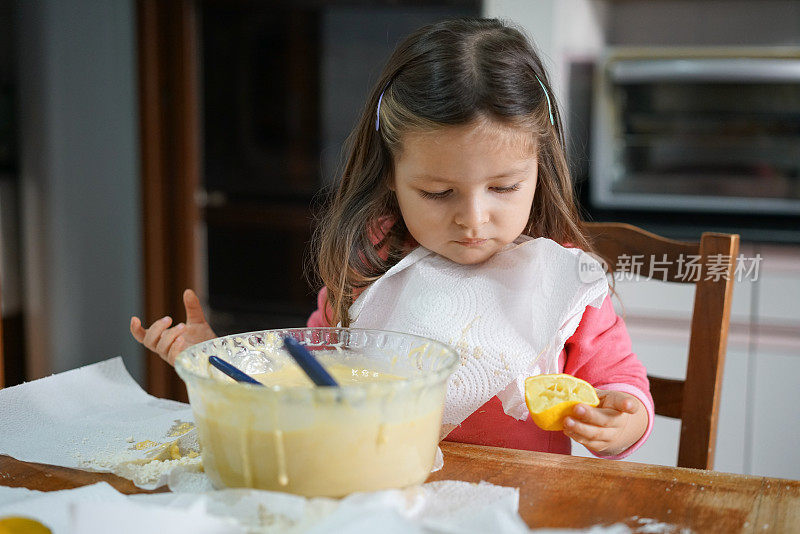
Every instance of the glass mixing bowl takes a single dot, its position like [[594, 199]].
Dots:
[[320, 441]]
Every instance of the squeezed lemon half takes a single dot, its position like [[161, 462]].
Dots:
[[22, 525], [550, 398]]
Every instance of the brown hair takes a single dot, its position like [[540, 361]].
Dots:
[[449, 73]]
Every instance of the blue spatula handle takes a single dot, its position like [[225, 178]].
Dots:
[[232, 371], [308, 363]]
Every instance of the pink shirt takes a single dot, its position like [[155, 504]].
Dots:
[[599, 352]]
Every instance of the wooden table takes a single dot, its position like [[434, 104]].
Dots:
[[562, 491]]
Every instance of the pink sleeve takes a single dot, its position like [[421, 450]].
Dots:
[[377, 232], [600, 352], [318, 317]]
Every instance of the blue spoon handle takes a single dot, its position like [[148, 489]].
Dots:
[[232, 371], [308, 363]]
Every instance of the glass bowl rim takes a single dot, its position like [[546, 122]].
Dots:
[[436, 376]]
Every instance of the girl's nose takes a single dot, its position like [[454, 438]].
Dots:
[[472, 213]]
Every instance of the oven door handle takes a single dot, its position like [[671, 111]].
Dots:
[[739, 70]]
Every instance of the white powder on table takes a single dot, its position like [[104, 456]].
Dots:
[[147, 463]]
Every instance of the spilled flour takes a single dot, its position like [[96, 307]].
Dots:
[[148, 462]]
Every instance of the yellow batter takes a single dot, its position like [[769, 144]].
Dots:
[[292, 376], [331, 447]]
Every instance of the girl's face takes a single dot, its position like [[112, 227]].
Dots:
[[466, 191]]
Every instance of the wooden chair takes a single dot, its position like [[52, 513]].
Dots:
[[695, 401]]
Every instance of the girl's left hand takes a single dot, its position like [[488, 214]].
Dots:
[[611, 427]]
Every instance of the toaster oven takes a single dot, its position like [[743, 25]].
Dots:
[[697, 130]]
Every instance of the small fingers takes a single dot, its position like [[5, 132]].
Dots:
[[593, 416], [175, 349], [154, 332], [194, 310], [137, 330], [619, 401], [167, 339], [594, 437], [630, 406]]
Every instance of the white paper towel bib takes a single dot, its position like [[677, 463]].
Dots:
[[507, 317]]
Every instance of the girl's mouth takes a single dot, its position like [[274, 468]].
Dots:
[[471, 242]]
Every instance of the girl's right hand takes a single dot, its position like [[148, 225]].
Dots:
[[168, 342]]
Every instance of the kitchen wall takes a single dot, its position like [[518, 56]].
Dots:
[[79, 181]]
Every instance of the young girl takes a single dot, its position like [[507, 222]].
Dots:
[[460, 150]]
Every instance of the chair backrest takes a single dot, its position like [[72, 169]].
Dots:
[[710, 265]]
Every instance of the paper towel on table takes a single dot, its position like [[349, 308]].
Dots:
[[9, 495], [445, 506], [100, 509], [94, 418], [133, 518], [507, 317], [52, 508]]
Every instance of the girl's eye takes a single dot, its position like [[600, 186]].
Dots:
[[508, 189], [438, 194]]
